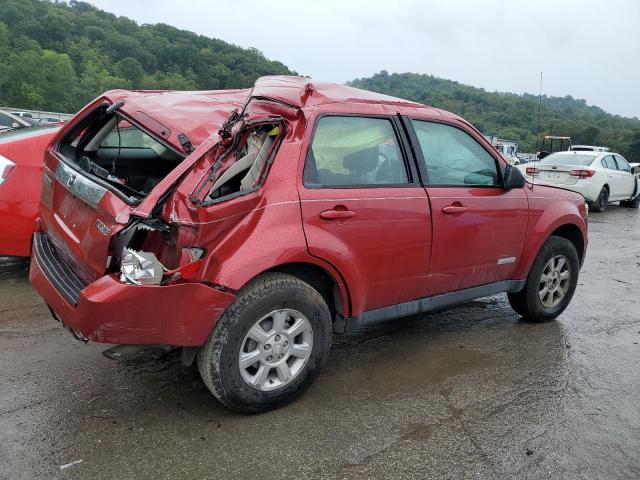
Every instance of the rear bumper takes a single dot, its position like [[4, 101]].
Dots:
[[108, 311]]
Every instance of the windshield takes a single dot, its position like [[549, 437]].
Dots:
[[564, 159]]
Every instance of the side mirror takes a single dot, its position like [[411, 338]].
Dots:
[[15, 125], [513, 178]]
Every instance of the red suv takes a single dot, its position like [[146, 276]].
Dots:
[[249, 225]]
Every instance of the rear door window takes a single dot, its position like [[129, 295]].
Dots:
[[350, 151], [608, 162], [453, 158]]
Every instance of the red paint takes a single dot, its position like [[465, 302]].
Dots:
[[466, 245], [111, 312], [20, 192], [381, 246]]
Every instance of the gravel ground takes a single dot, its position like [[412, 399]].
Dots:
[[473, 392]]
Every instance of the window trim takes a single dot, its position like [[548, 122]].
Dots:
[[275, 148], [403, 144], [602, 162], [422, 165], [615, 158]]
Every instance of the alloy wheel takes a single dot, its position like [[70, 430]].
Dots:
[[555, 281], [276, 349]]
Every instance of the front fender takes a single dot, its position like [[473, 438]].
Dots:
[[546, 215]]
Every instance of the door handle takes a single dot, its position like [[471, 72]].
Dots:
[[336, 213], [455, 208]]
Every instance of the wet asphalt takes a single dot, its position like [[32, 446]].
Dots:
[[473, 392]]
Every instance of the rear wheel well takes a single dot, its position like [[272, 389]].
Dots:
[[574, 235], [319, 279]]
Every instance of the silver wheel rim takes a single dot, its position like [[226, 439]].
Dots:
[[276, 349], [555, 281]]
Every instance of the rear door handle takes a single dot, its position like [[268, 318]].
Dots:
[[335, 213], [455, 208]]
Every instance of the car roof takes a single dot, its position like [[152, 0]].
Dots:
[[308, 94], [304, 92], [199, 113]]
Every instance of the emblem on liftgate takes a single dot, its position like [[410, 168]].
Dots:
[[102, 227]]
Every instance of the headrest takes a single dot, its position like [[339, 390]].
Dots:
[[363, 161]]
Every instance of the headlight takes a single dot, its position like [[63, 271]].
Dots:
[[140, 268]]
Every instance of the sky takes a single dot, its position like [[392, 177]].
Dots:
[[587, 49]]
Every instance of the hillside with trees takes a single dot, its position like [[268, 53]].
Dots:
[[58, 56], [512, 116]]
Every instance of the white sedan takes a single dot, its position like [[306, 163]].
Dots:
[[601, 177]]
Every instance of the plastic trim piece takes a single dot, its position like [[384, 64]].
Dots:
[[56, 270], [424, 305], [88, 191]]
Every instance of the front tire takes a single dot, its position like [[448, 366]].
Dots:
[[635, 203], [268, 346], [551, 282]]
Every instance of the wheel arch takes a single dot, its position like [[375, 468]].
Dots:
[[572, 233], [327, 282], [570, 226]]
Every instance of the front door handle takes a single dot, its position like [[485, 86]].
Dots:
[[454, 208], [335, 213]]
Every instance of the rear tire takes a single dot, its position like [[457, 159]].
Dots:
[[534, 303], [601, 202], [283, 325]]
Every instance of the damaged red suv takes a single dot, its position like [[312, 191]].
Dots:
[[249, 225]]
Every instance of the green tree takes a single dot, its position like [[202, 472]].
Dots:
[[55, 55], [633, 149], [130, 69]]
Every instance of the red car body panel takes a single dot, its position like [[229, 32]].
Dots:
[[20, 193], [110, 312], [168, 114], [399, 247], [550, 208]]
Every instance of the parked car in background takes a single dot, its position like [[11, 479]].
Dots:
[[48, 120], [600, 177], [21, 163], [23, 114], [9, 121], [314, 208]]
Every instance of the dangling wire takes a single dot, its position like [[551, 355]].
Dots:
[[117, 157]]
